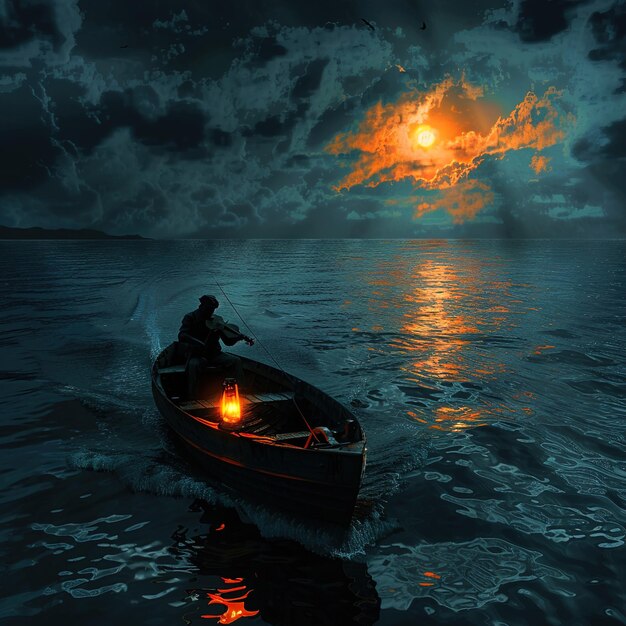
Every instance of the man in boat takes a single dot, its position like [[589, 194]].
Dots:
[[202, 333]]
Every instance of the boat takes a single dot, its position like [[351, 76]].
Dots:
[[293, 447]]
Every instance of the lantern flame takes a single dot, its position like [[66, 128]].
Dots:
[[231, 407]]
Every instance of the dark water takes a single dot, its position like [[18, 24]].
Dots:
[[490, 379]]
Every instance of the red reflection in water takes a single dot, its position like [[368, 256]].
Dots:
[[235, 605], [433, 579]]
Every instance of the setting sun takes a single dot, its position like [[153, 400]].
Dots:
[[438, 139], [425, 136]]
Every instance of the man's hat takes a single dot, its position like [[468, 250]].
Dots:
[[210, 300]]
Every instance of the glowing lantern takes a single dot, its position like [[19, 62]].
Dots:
[[231, 408]]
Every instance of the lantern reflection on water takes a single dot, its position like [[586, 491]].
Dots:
[[231, 407], [235, 608], [241, 577]]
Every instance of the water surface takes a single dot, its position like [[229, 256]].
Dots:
[[489, 377]]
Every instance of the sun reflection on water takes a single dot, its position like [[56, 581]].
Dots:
[[444, 320]]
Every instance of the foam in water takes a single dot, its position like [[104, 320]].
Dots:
[[161, 474]]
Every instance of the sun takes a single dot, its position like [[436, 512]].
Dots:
[[424, 136]]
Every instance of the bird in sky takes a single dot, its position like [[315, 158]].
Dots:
[[367, 23], [124, 46], [423, 26]]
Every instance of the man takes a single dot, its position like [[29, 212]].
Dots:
[[203, 341]]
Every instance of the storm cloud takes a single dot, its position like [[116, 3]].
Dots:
[[186, 119]]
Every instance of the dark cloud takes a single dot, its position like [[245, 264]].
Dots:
[[540, 20], [182, 118], [331, 122], [310, 81], [74, 123], [616, 134], [386, 86], [584, 149], [361, 218], [206, 32], [220, 138], [272, 126], [267, 48], [299, 161], [137, 212], [515, 227], [179, 129], [190, 90], [609, 30], [28, 150], [611, 174], [613, 145], [213, 34], [61, 205], [279, 125], [24, 21]]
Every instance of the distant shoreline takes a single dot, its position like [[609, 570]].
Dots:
[[38, 233]]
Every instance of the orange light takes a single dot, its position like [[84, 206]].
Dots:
[[438, 139], [235, 606], [424, 136], [231, 407]]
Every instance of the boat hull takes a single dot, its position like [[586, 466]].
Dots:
[[311, 483]]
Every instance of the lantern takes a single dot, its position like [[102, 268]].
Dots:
[[231, 408]]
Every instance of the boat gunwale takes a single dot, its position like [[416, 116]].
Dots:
[[359, 444]]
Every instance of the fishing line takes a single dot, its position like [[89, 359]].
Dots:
[[278, 365]]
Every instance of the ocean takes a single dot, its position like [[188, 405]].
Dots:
[[489, 377]]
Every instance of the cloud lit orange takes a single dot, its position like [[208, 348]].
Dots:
[[539, 164], [438, 138], [463, 201]]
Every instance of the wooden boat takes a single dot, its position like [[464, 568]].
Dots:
[[272, 455]]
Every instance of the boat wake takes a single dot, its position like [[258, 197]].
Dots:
[[134, 444], [160, 473]]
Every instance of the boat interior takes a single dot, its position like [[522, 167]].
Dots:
[[274, 406]]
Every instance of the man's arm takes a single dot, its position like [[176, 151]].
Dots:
[[184, 334]]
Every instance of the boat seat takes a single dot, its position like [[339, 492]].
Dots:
[[259, 398], [286, 436], [198, 405]]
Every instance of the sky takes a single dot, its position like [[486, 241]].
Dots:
[[402, 118]]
